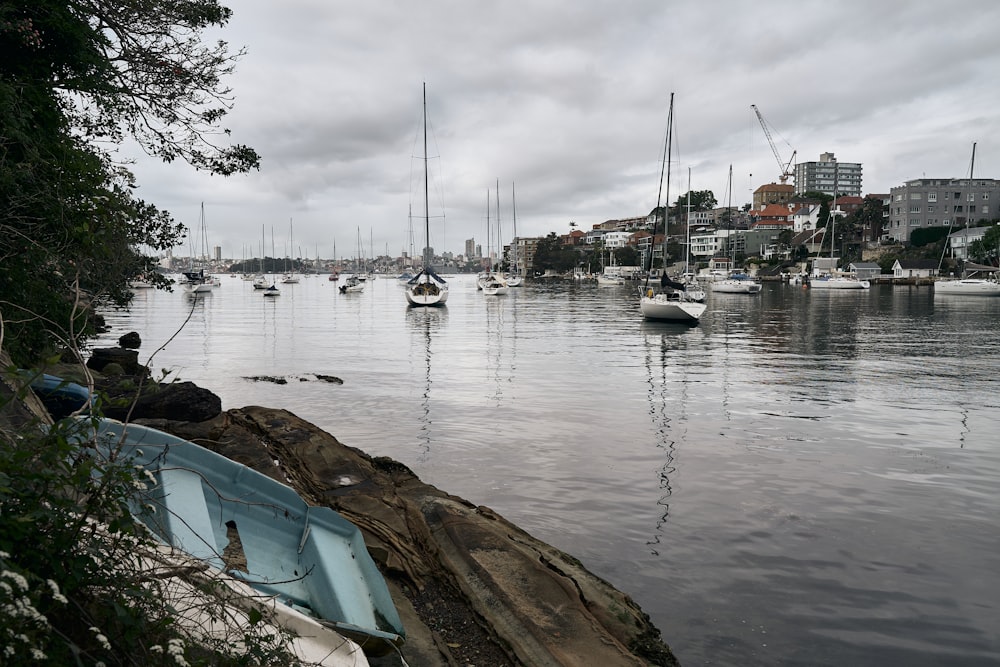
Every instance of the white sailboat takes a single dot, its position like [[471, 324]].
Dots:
[[272, 289], [493, 284], [290, 277], [671, 302], [514, 275], [426, 288], [969, 285], [356, 281], [198, 282], [735, 282], [260, 281]]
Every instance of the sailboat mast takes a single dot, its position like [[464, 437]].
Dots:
[[499, 231], [489, 256], [972, 165], [204, 233], [427, 209], [515, 264], [833, 215], [687, 247], [666, 158], [729, 216]]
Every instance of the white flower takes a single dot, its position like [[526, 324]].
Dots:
[[19, 580], [175, 647], [56, 595]]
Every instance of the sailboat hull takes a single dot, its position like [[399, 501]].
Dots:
[[415, 296], [838, 283], [736, 287], [968, 287], [671, 308]]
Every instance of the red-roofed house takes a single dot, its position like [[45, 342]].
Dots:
[[772, 216]]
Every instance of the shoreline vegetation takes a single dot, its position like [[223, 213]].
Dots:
[[471, 587]]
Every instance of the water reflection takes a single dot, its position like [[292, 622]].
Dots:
[[668, 400], [425, 324], [495, 347]]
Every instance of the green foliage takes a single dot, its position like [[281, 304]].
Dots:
[[701, 200], [75, 77], [627, 256], [924, 236], [550, 254], [987, 249], [815, 195]]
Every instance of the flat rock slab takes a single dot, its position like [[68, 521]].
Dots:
[[471, 588]]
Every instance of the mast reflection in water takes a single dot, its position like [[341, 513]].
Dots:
[[425, 324]]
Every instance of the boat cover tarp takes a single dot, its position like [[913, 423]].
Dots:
[[665, 281], [429, 272], [969, 266]]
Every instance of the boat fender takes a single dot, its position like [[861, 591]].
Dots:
[[649, 292]]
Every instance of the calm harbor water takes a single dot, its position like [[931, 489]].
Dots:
[[805, 478]]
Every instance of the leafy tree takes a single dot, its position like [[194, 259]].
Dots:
[[76, 78], [701, 200], [627, 256], [550, 254], [987, 249], [868, 217]]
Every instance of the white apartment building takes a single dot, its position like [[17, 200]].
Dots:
[[828, 175], [616, 239]]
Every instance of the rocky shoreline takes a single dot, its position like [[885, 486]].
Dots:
[[471, 588]]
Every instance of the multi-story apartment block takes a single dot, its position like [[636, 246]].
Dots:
[[705, 245], [940, 202], [828, 174], [523, 251], [471, 248]]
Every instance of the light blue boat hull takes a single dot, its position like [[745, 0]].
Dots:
[[310, 557]]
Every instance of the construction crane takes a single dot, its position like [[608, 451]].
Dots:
[[785, 167]]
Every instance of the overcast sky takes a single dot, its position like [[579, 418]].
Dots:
[[566, 102]]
